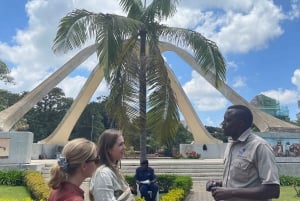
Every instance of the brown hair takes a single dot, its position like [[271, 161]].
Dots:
[[106, 141]]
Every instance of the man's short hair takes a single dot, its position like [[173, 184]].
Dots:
[[144, 162], [244, 113]]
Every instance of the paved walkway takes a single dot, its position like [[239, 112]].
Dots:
[[198, 193]]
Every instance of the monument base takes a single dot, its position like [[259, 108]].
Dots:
[[15, 147]]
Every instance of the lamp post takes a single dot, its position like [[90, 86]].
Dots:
[[92, 127]]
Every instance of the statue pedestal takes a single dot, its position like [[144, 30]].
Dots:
[[15, 147]]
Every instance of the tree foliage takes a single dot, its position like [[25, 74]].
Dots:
[[217, 132], [7, 99], [91, 122], [47, 113], [4, 73]]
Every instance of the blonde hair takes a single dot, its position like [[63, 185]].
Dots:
[[75, 152]]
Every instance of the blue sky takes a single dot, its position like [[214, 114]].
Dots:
[[258, 38]]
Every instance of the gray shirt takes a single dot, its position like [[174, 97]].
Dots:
[[249, 162]]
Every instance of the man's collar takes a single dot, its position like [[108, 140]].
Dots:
[[243, 137]]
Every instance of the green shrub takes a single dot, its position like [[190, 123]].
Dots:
[[183, 182], [165, 182], [11, 177], [174, 195], [138, 198], [130, 180], [36, 184], [289, 180], [25, 199]]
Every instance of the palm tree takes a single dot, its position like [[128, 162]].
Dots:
[[128, 51]]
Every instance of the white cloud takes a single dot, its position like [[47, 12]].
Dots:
[[98, 6], [232, 65], [252, 30], [209, 122], [296, 78], [239, 82], [203, 96], [284, 96], [187, 18], [73, 85], [236, 26], [226, 5], [295, 11], [31, 55]]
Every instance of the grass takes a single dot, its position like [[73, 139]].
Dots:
[[287, 193], [14, 192]]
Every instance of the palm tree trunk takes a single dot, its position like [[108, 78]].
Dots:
[[142, 96]]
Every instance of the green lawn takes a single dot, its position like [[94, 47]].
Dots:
[[287, 193], [14, 192]]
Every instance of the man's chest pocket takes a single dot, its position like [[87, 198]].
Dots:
[[242, 170]]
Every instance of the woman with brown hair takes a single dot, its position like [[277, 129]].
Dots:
[[107, 184]]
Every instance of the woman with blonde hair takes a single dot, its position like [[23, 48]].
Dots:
[[77, 162], [107, 184]]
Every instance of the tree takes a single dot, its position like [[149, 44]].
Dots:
[[47, 113], [4, 73], [90, 123], [183, 136], [128, 50], [217, 132], [7, 99]]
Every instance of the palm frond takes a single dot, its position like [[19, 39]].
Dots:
[[122, 102], [160, 9], [116, 36], [163, 116], [133, 8], [74, 29], [206, 52], [109, 31]]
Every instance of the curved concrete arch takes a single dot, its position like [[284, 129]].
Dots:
[[62, 132], [198, 130], [262, 120], [14, 113]]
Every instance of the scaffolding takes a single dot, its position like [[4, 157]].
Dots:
[[271, 106]]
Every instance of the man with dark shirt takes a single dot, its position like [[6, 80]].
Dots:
[[145, 177]]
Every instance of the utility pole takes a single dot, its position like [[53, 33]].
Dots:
[[92, 127]]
